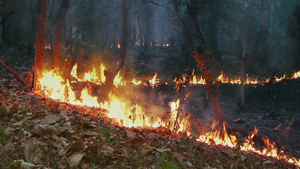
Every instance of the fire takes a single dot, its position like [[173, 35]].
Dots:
[[48, 46], [90, 76], [136, 82], [154, 80], [250, 80], [119, 80], [296, 75], [128, 114], [119, 46], [279, 79]]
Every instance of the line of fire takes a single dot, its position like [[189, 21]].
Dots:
[[217, 74]]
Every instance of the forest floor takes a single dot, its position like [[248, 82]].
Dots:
[[36, 132]]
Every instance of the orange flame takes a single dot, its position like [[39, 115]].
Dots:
[[296, 75], [154, 80], [119, 46], [129, 114]]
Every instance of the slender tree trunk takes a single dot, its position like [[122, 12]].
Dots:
[[61, 13], [242, 92], [124, 33], [110, 75], [40, 43], [208, 66], [215, 7]]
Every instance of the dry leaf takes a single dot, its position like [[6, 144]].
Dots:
[[162, 150], [77, 146], [33, 153], [137, 141], [146, 149], [130, 133], [51, 119], [178, 157], [106, 149], [41, 129], [153, 136], [74, 159]]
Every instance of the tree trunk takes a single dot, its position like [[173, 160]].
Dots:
[[40, 43], [208, 66], [242, 92], [110, 75], [61, 13], [215, 7]]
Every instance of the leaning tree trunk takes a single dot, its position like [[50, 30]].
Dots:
[[242, 87], [61, 13], [40, 43], [208, 66]]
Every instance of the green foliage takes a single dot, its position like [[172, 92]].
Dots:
[[12, 165], [3, 135], [165, 163], [117, 139], [106, 134]]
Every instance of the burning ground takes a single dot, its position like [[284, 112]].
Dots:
[[49, 133]]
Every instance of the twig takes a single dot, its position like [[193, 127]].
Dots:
[[220, 155], [15, 73], [11, 2]]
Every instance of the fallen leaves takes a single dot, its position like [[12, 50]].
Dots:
[[74, 159], [41, 129], [51, 119], [64, 137], [32, 151]]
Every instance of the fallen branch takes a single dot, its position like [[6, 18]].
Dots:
[[15, 73]]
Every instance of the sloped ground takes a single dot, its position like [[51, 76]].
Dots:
[[41, 133], [45, 134]]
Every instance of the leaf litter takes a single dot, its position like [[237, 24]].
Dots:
[[34, 135]]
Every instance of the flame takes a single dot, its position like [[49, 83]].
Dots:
[[136, 82], [48, 46], [119, 46], [279, 79], [154, 80], [296, 75], [125, 113], [119, 80], [250, 80], [91, 76]]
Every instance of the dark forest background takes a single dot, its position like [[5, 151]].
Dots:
[[162, 34]]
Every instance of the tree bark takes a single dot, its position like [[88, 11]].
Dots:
[[61, 13], [110, 75], [208, 65], [40, 44], [18, 77], [215, 7], [242, 87]]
